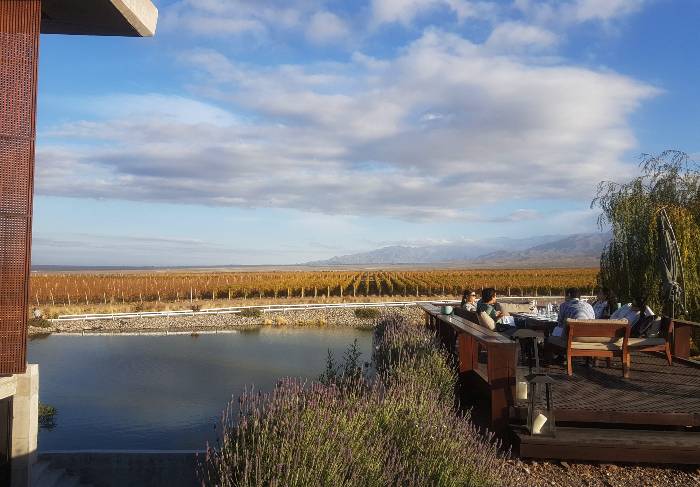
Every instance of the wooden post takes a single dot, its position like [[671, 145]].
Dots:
[[501, 374], [466, 348]]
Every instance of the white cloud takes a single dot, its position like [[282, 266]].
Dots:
[[326, 27], [232, 17], [576, 11], [516, 36], [405, 11], [444, 126]]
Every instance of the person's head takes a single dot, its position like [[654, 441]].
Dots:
[[488, 295], [573, 293], [470, 296]]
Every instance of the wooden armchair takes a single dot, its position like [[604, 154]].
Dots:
[[595, 338], [662, 343]]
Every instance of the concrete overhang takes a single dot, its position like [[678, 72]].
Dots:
[[132, 18]]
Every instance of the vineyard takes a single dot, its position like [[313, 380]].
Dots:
[[85, 289]]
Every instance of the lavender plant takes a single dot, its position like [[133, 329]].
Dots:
[[397, 427]]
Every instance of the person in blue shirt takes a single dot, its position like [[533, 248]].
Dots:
[[573, 307]]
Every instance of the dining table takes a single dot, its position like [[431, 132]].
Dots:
[[543, 322]]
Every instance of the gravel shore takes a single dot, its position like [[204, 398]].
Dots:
[[331, 317], [570, 474]]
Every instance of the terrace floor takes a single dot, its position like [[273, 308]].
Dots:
[[655, 393], [653, 416]]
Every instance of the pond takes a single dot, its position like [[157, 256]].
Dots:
[[167, 392]]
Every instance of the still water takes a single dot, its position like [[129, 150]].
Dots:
[[167, 392]]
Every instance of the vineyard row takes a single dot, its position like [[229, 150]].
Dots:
[[76, 288]]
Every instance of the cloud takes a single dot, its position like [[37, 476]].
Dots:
[[442, 127], [325, 27], [405, 11], [234, 17], [516, 37], [577, 11]]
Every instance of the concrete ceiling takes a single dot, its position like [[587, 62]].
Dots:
[[133, 18]]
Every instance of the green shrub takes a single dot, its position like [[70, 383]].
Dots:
[[367, 313], [40, 323], [47, 416], [250, 313]]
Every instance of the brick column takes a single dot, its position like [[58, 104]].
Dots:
[[20, 22]]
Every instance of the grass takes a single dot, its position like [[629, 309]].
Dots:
[[367, 313], [40, 323], [251, 313], [397, 426]]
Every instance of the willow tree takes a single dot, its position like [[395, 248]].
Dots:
[[629, 263]]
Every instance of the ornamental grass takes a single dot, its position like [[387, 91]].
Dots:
[[395, 425]]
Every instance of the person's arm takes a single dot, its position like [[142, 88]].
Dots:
[[492, 313], [562, 314]]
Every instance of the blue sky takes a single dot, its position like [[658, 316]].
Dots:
[[278, 132]]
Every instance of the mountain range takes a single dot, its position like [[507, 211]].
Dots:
[[578, 250]]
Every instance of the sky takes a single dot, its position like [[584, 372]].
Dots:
[[282, 131]]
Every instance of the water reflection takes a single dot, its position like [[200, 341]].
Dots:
[[149, 392]]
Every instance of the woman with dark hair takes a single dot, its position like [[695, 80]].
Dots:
[[605, 303], [469, 300]]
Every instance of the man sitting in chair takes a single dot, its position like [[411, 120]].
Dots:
[[573, 307]]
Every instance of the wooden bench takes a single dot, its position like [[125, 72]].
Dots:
[[467, 339]]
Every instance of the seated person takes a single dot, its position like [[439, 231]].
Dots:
[[573, 307], [496, 319], [605, 303], [469, 300]]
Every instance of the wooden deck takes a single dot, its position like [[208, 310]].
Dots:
[[655, 394], [612, 445], [652, 416]]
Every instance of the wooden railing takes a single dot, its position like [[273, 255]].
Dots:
[[468, 341]]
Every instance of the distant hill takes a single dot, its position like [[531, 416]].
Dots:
[[580, 250]]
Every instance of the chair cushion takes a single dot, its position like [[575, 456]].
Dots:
[[595, 346], [643, 342], [595, 339], [577, 345], [486, 321]]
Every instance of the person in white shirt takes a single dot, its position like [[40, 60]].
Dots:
[[605, 303], [469, 300]]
